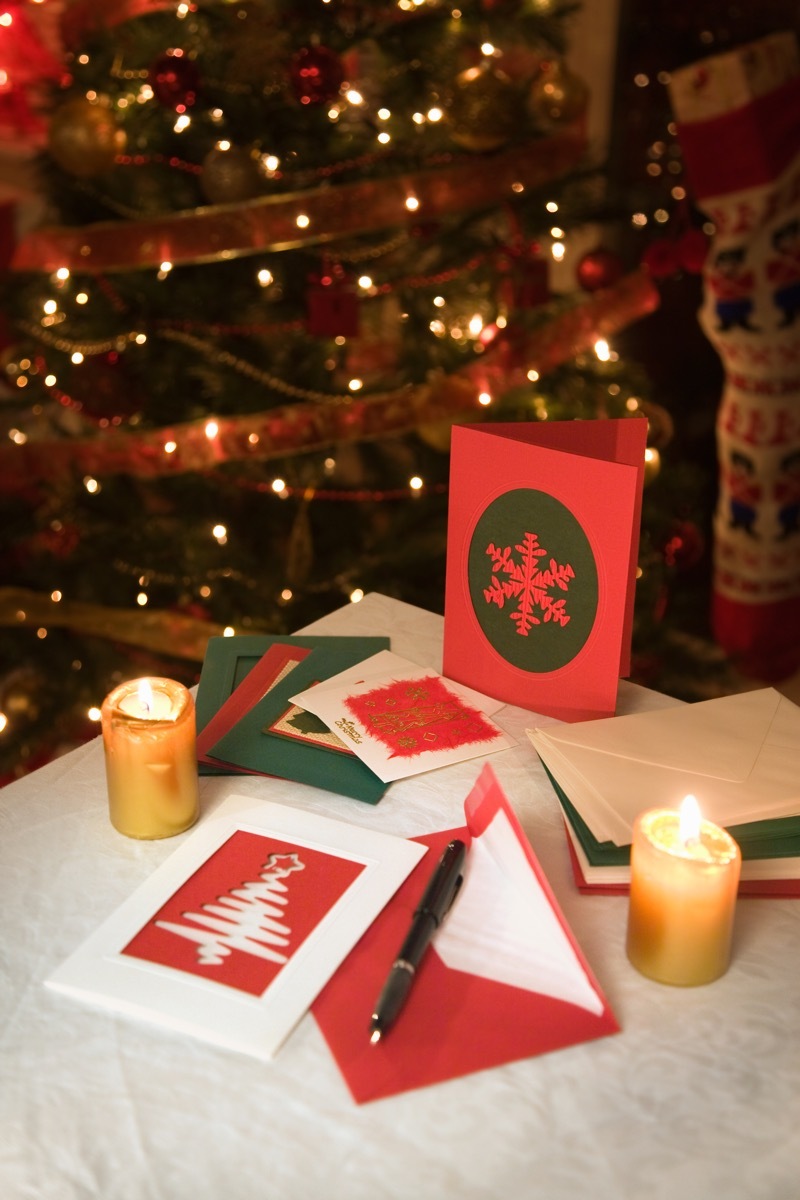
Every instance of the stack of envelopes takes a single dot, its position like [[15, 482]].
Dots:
[[340, 713], [739, 755]]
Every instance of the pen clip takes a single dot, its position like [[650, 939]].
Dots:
[[456, 890]]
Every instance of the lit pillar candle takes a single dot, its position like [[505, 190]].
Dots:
[[149, 736], [684, 880]]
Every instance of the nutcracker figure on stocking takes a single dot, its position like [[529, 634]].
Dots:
[[738, 118]]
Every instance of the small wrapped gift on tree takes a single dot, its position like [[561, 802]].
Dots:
[[738, 118]]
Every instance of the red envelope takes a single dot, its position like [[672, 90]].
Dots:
[[542, 544], [454, 1022]]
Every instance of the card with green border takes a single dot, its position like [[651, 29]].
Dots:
[[274, 737], [228, 662]]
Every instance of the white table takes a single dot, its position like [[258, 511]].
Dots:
[[698, 1097]]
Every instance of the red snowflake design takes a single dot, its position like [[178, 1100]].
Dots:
[[525, 582]]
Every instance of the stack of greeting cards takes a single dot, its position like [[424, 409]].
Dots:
[[341, 713]]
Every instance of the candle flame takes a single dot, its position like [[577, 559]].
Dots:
[[145, 695], [690, 819]]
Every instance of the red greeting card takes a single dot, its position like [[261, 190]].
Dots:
[[542, 543]]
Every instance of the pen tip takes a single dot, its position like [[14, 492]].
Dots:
[[375, 1037]]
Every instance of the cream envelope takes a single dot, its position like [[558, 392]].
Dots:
[[740, 755]]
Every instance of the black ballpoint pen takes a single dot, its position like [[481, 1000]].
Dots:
[[436, 900]]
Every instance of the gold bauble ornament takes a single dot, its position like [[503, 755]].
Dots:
[[437, 435], [8, 358], [230, 176], [557, 96], [20, 696], [660, 426], [84, 137], [484, 109], [652, 465]]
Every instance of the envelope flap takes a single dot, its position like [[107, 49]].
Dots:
[[785, 729], [504, 928], [507, 925], [719, 739]]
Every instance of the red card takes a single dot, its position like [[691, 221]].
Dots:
[[454, 1022], [747, 887], [542, 545]]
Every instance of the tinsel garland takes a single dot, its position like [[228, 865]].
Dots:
[[332, 212], [314, 424], [163, 632]]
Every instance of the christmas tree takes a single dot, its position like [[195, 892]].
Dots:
[[290, 244]]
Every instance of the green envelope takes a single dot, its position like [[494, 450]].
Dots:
[[269, 739]]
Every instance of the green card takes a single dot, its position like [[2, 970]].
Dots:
[[230, 660], [273, 737]]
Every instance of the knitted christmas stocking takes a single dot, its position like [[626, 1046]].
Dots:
[[738, 117]]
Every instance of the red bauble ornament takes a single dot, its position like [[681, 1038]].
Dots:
[[692, 250], [661, 259], [58, 540], [684, 545], [107, 393], [599, 269], [175, 80], [332, 304], [316, 75], [528, 278]]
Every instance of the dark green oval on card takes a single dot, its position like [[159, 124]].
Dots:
[[504, 523]]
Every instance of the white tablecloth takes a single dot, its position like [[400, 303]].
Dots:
[[698, 1097]]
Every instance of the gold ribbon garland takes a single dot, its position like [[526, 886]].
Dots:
[[270, 223], [313, 424], [168, 633]]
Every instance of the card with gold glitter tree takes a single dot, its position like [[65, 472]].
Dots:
[[542, 544], [401, 719]]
